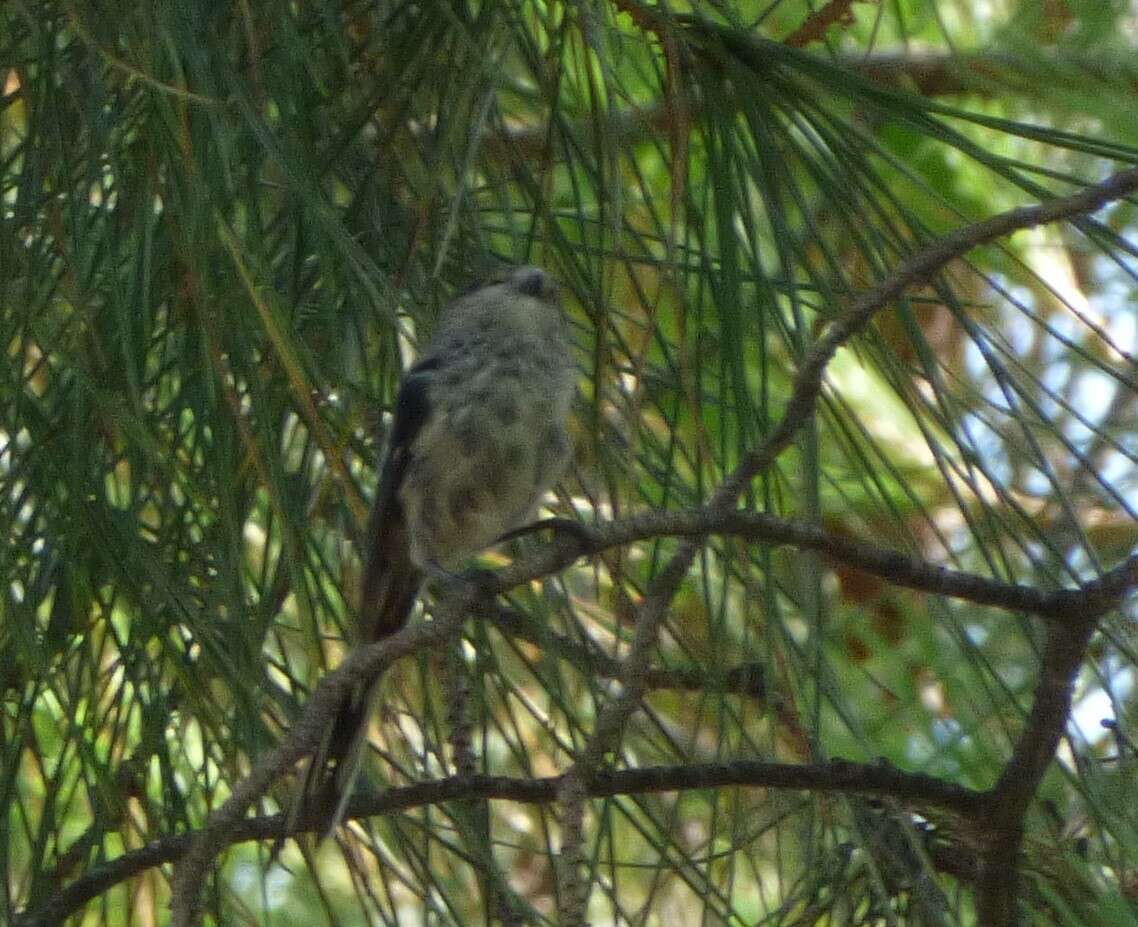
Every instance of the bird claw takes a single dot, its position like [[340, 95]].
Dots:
[[476, 580], [558, 525]]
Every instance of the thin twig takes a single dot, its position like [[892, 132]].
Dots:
[[742, 679]]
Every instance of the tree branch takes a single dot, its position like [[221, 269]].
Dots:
[[838, 776], [743, 679], [1007, 803], [926, 74], [900, 569], [918, 268], [366, 662], [361, 666]]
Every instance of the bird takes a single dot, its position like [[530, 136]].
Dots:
[[478, 436]]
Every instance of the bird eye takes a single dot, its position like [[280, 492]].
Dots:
[[528, 281], [535, 282]]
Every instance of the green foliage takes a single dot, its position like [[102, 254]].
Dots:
[[222, 229]]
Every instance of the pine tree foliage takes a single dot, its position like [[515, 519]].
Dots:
[[225, 228]]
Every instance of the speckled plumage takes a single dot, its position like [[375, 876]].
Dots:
[[478, 437], [494, 440]]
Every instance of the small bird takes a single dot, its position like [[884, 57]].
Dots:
[[478, 437]]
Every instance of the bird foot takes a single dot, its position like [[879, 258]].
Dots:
[[558, 525], [474, 581]]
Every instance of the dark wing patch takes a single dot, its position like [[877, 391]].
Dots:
[[390, 581], [412, 409], [423, 364], [388, 587], [413, 405]]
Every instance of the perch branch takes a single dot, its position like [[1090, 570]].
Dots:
[[917, 268], [873, 779], [365, 663]]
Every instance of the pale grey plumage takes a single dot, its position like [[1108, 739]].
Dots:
[[478, 437]]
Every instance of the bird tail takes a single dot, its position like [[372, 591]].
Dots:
[[387, 595]]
